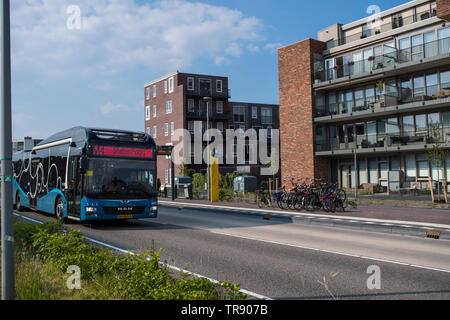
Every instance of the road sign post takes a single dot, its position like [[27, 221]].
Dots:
[[7, 232]]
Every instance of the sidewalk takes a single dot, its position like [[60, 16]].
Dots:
[[381, 214]]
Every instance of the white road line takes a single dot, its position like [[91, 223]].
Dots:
[[247, 292], [330, 251]]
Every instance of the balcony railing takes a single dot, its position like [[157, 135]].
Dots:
[[202, 114], [393, 139], [396, 23], [226, 94], [352, 68], [395, 97]]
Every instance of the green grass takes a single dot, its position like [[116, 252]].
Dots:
[[44, 252]]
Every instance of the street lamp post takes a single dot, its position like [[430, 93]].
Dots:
[[208, 100], [7, 233]]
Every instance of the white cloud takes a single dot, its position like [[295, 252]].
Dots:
[[109, 108], [117, 35]]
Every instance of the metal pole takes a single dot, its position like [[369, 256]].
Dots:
[[356, 179], [7, 232], [172, 177], [207, 149]]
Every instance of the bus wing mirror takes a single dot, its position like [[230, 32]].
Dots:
[[83, 165]]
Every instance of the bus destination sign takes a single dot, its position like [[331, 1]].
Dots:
[[122, 152]]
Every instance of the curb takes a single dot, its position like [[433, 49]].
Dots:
[[417, 229]]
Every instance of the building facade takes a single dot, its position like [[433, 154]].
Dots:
[[364, 102], [190, 101]]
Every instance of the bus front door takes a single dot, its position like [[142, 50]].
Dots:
[[74, 194]]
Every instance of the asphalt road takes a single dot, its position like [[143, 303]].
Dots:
[[282, 260]]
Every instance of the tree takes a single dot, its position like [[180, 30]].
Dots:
[[436, 154]]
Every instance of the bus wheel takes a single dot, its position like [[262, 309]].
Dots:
[[18, 206], [59, 210]]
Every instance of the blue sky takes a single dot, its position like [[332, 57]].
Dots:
[[94, 76]]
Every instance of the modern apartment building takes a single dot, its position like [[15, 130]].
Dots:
[[180, 101], [365, 101]]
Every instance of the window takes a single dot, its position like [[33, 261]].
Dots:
[[166, 176], [191, 105], [432, 84], [148, 131], [154, 91], [444, 40], [254, 112], [219, 107], [166, 129], [219, 86], [266, 115], [191, 84], [154, 111], [421, 123], [422, 165], [419, 86], [430, 44], [168, 107], [147, 113], [239, 114], [172, 128], [171, 85], [155, 132], [205, 87], [220, 126], [417, 44], [148, 93], [408, 125], [165, 86], [445, 80]]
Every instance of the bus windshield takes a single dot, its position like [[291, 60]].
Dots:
[[120, 179]]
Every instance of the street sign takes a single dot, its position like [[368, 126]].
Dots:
[[6, 178]]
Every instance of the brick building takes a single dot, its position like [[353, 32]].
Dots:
[[180, 100], [375, 88]]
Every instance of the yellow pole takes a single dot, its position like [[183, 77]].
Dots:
[[214, 179]]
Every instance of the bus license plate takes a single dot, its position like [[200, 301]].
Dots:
[[125, 216]]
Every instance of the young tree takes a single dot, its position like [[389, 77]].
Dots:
[[437, 153]]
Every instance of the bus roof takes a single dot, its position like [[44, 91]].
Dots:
[[83, 134]]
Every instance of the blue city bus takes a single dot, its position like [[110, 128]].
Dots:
[[88, 174]]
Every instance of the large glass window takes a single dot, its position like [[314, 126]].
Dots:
[[392, 126], [446, 126], [419, 86], [410, 162], [422, 165], [372, 132], [120, 179], [444, 40], [432, 84], [373, 172], [406, 90], [408, 125], [405, 49], [430, 44], [239, 114], [390, 53], [370, 94], [417, 47], [421, 124], [332, 103], [362, 171], [359, 99], [349, 100], [368, 60], [445, 80], [266, 115]]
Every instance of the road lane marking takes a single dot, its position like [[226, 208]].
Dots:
[[332, 252], [101, 243]]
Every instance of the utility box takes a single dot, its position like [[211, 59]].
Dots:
[[184, 187], [245, 184]]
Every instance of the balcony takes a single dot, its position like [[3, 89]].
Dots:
[[207, 93], [395, 141], [202, 114], [374, 64], [431, 95], [396, 23]]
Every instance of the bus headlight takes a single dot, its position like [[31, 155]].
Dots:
[[91, 209], [155, 208]]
